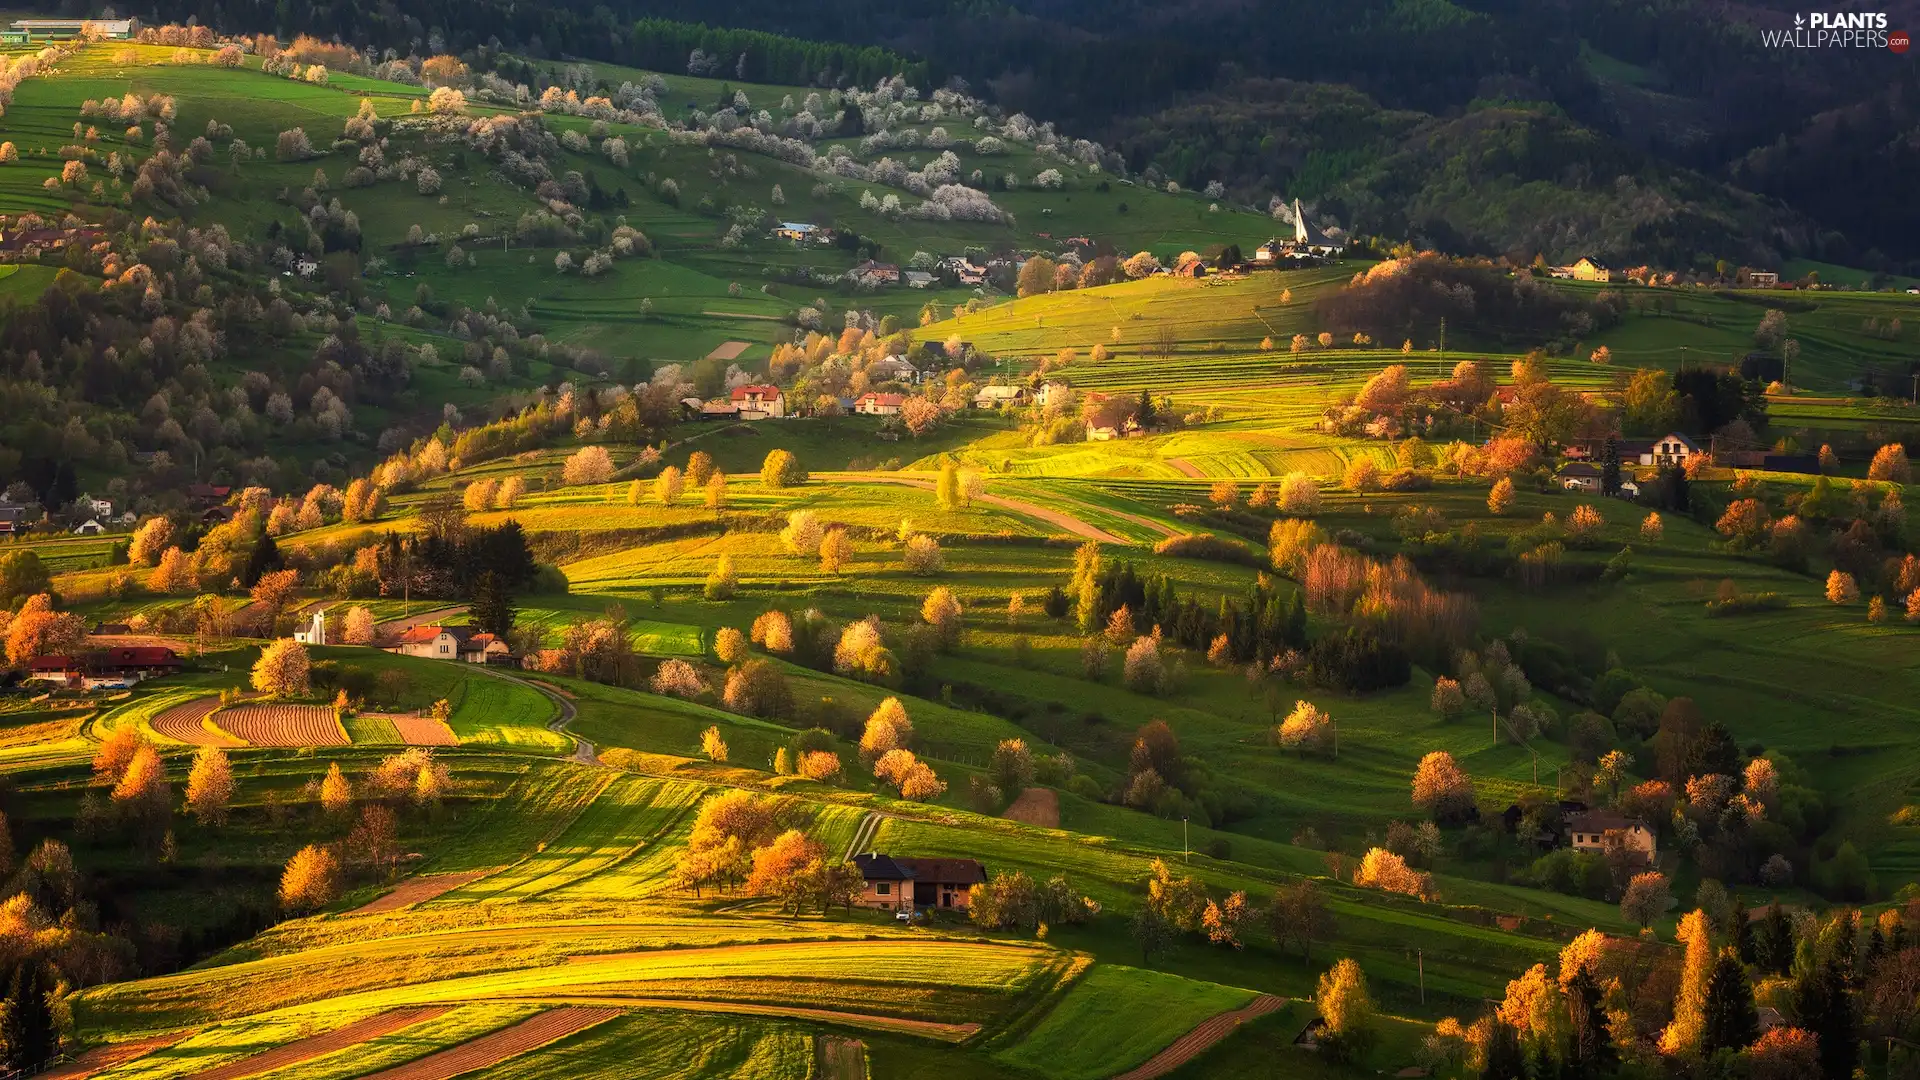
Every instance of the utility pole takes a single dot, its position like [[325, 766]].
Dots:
[[1184, 848], [1420, 957], [1443, 346]]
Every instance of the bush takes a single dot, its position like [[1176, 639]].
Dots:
[[1575, 873], [1208, 547]]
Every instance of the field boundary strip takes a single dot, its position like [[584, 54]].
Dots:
[[1201, 1039], [315, 1046], [101, 1058], [862, 835], [899, 1025], [489, 1050]]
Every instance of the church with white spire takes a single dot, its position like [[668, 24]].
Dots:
[[1307, 245]]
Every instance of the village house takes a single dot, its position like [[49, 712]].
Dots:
[[89, 527], [1593, 830], [964, 270], [874, 273], [803, 232], [759, 401], [114, 669], [208, 494], [1757, 279], [13, 518], [1580, 476], [878, 404], [892, 369], [992, 397], [316, 631], [1673, 448], [905, 884], [1048, 391], [451, 643], [918, 279]]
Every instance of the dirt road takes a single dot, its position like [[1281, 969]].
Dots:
[[1201, 1039], [1186, 468]]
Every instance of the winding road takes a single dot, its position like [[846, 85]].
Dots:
[[1201, 1039]]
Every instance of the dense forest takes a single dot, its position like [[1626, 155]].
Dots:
[[1678, 96]]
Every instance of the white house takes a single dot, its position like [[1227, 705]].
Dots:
[[1580, 476], [1591, 830], [89, 527], [759, 402], [876, 404], [101, 508], [1673, 448]]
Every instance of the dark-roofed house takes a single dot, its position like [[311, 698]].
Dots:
[[1579, 476], [903, 884]]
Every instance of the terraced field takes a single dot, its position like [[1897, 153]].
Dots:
[[629, 816], [281, 725]]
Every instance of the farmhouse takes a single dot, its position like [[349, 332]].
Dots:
[[208, 494], [875, 404], [97, 29], [903, 884], [1586, 269], [758, 402], [991, 397], [919, 279], [451, 643], [802, 232], [1593, 830], [874, 273], [89, 527], [109, 668], [964, 270]]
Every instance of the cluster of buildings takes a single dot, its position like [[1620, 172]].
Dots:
[[1308, 246], [457, 643], [104, 669], [758, 401], [1572, 824], [1587, 268], [87, 516]]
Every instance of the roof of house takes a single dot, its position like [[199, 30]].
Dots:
[[137, 656], [209, 491], [798, 226], [1579, 468], [52, 663], [881, 868], [874, 398], [757, 390], [945, 871], [1679, 437], [421, 635], [1600, 821], [1005, 393]]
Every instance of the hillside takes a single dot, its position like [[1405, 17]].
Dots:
[[1712, 121], [487, 590]]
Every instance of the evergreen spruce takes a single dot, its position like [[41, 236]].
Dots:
[[1732, 1021]]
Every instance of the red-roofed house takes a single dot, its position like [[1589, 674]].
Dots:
[[876, 404], [119, 667], [451, 643], [759, 402]]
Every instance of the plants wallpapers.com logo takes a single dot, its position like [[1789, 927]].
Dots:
[[1839, 30]]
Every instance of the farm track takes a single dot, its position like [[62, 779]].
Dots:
[[418, 890], [1186, 468], [862, 835], [1201, 1039], [1055, 518], [582, 749], [102, 1058], [186, 723], [489, 1050], [338, 1039]]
